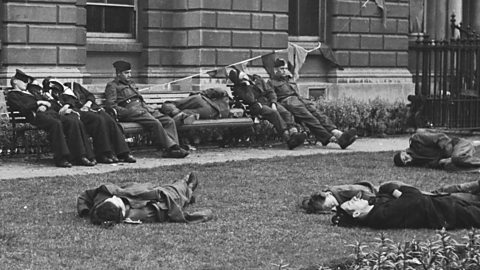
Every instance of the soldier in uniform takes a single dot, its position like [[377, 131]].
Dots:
[[211, 103], [306, 112], [261, 99], [68, 139], [142, 203], [108, 139], [122, 95]]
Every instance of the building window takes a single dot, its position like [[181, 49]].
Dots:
[[111, 18], [306, 18]]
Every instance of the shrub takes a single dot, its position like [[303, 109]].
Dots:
[[373, 118], [441, 253]]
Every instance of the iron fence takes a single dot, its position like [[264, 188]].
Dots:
[[447, 76]]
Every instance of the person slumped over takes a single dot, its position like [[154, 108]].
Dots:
[[261, 99], [211, 103], [122, 96], [68, 139], [408, 207], [438, 150], [305, 111], [141, 203], [108, 140]]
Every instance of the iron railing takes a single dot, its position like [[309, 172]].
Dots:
[[447, 77]]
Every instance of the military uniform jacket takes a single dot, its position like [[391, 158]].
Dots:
[[283, 87], [77, 96], [344, 193], [26, 103], [218, 99], [427, 148], [117, 92], [137, 195]]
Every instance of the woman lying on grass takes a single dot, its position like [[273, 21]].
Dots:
[[407, 207]]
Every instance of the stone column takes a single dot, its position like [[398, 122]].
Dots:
[[456, 8], [475, 19]]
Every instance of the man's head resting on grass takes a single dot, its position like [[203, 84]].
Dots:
[[110, 210], [320, 203], [402, 159]]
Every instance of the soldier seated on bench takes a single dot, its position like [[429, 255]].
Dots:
[[253, 91], [306, 111], [108, 139], [67, 136], [122, 95]]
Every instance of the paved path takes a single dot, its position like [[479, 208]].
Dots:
[[11, 169]]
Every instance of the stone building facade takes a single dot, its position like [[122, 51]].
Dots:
[[172, 39]]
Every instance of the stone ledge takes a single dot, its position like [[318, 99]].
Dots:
[[113, 45]]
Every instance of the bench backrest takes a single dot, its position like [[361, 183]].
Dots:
[[151, 98], [15, 117]]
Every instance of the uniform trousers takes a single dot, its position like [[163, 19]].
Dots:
[[66, 133]]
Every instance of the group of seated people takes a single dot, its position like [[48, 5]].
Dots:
[[69, 114]]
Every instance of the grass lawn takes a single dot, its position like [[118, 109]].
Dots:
[[258, 223]]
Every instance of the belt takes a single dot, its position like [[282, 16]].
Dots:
[[128, 101], [284, 97]]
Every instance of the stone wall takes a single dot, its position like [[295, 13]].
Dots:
[[43, 38], [184, 37]]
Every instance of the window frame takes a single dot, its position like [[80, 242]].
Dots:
[[322, 26], [110, 35]]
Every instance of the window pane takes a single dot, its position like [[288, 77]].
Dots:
[[118, 20], [123, 2], [94, 18], [95, 1], [303, 17]]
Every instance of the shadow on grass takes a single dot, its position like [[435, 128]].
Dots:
[[258, 223]]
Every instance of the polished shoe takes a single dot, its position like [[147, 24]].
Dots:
[[177, 153], [127, 158], [85, 162], [192, 181], [114, 158], [348, 137], [63, 164], [104, 160], [296, 139]]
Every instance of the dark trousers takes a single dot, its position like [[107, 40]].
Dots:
[[303, 111], [162, 126], [66, 133], [105, 132]]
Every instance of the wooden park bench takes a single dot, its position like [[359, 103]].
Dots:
[[133, 130]]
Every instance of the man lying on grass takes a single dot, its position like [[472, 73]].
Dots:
[[328, 199], [141, 202], [438, 150], [408, 207]]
